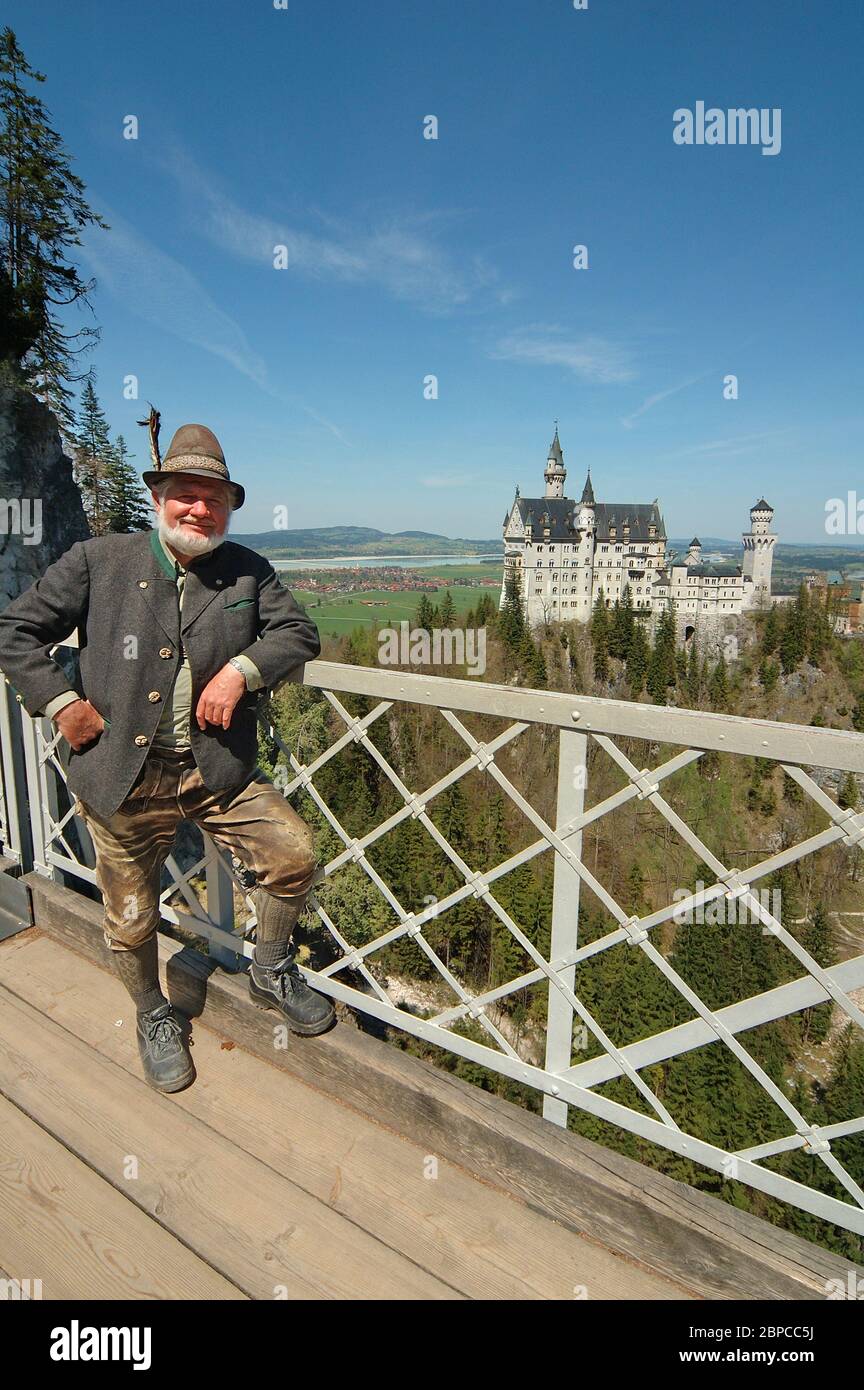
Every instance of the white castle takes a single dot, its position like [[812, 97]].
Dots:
[[565, 553]]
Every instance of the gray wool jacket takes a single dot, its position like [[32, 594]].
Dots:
[[116, 592]]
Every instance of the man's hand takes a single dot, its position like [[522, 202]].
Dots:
[[219, 696], [79, 723]]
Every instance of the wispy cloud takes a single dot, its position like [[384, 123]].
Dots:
[[651, 401], [401, 253], [591, 358], [728, 448], [160, 290]]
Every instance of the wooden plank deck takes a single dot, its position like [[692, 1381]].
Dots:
[[251, 1184]]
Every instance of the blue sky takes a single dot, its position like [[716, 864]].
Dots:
[[409, 257]]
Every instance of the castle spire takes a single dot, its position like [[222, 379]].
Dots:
[[588, 492], [555, 472]]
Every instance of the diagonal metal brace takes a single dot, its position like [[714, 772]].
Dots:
[[483, 756], [852, 823], [813, 1144], [735, 888], [479, 886], [645, 785], [634, 932]]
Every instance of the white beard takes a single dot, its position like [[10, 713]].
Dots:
[[190, 542]]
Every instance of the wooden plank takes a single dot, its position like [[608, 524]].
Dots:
[[704, 1244], [483, 1241], [63, 1224], [260, 1230]]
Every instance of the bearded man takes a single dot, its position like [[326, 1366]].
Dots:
[[180, 632]]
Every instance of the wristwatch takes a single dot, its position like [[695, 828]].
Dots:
[[238, 667]]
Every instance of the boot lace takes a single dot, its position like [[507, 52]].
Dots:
[[287, 977], [163, 1032]]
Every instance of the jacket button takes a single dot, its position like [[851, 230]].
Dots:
[[140, 739], [142, 583], [153, 696], [165, 651]]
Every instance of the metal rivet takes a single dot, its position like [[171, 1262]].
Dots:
[[575, 714]]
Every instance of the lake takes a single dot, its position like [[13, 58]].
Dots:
[[377, 561]]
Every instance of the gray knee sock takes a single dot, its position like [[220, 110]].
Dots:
[[276, 920], [139, 971]]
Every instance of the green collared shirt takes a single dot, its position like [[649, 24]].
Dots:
[[173, 728]]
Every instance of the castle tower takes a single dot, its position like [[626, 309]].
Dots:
[[694, 553], [555, 472], [759, 543], [585, 530]]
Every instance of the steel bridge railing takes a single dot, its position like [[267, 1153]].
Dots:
[[34, 795]]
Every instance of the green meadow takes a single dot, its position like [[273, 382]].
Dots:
[[337, 614]]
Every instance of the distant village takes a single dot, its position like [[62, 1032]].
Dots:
[[391, 579]]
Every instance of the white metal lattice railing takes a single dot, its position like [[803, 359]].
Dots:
[[579, 720]]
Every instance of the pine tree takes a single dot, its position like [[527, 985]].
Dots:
[[661, 667], [769, 674], [847, 797], [93, 458], [637, 661], [448, 610], [692, 683], [538, 676], [599, 628], [621, 626], [43, 209], [423, 616], [820, 627], [511, 619], [793, 637], [127, 508], [718, 686], [771, 632], [817, 940]]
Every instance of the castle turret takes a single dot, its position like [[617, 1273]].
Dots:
[[759, 543], [555, 472], [694, 552]]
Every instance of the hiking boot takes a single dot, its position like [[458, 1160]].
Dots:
[[284, 988], [164, 1053]]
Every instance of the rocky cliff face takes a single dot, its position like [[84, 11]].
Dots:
[[41, 513]]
